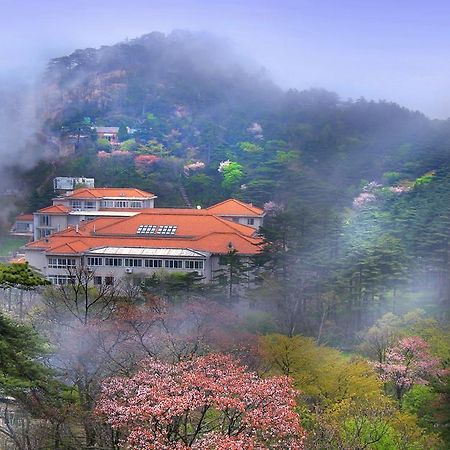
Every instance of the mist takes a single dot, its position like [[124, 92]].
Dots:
[[378, 51]]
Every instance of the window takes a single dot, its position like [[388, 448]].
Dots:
[[116, 262], [173, 263], [75, 204], [45, 221], [133, 262], [42, 233], [135, 204], [193, 264], [22, 227], [61, 280], [146, 229], [121, 204], [153, 263], [89, 204], [94, 261], [167, 229], [250, 221], [61, 263], [109, 281], [97, 281], [107, 204]]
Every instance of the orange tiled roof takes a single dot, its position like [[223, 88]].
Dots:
[[55, 209], [233, 207], [109, 192], [25, 218], [195, 231], [188, 223]]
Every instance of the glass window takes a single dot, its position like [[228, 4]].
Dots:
[[193, 264], [250, 221], [116, 262], [75, 204], [173, 263], [89, 204], [45, 221], [109, 281], [94, 261], [97, 280], [133, 262], [135, 204], [61, 263], [153, 263]]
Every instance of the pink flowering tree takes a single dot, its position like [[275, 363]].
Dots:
[[409, 363], [209, 402]]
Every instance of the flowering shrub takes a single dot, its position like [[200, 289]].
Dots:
[[256, 129], [409, 363], [363, 199], [272, 207], [210, 402], [401, 189], [103, 155], [223, 165], [195, 166], [144, 162]]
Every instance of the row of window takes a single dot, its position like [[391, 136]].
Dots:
[[61, 263], [64, 280], [61, 280], [93, 261], [78, 204], [122, 204]]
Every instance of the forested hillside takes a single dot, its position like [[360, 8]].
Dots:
[[357, 195]]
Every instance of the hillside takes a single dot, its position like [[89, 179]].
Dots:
[[350, 296]]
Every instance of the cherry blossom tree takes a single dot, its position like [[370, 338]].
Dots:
[[409, 363], [209, 402]]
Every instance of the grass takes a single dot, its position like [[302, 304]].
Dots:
[[10, 244]]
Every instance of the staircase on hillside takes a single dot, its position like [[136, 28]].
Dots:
[[185, 197]]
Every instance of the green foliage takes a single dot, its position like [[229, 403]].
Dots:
[[20, 350], [419, 401], [232, 175], [249, 147], [20, 276], [104, 145], [130, 145], [425, 179]]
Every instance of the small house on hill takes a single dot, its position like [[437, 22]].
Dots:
[[109, 133]]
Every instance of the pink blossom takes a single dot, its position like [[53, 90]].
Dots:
[[210, 402], [409, 363], [103, 155], [399, 189], [363, 199], [144, 162]]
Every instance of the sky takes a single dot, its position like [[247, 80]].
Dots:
[[396, 50]]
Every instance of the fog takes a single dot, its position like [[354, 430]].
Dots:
[[377, 50]]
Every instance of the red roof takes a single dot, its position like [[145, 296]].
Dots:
[[54, 209], [195, 231], [233, 207], [25, 218], [110, 192]]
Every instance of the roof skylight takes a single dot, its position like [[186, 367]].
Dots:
[[146, 229], [154, 229], [167, 229]]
